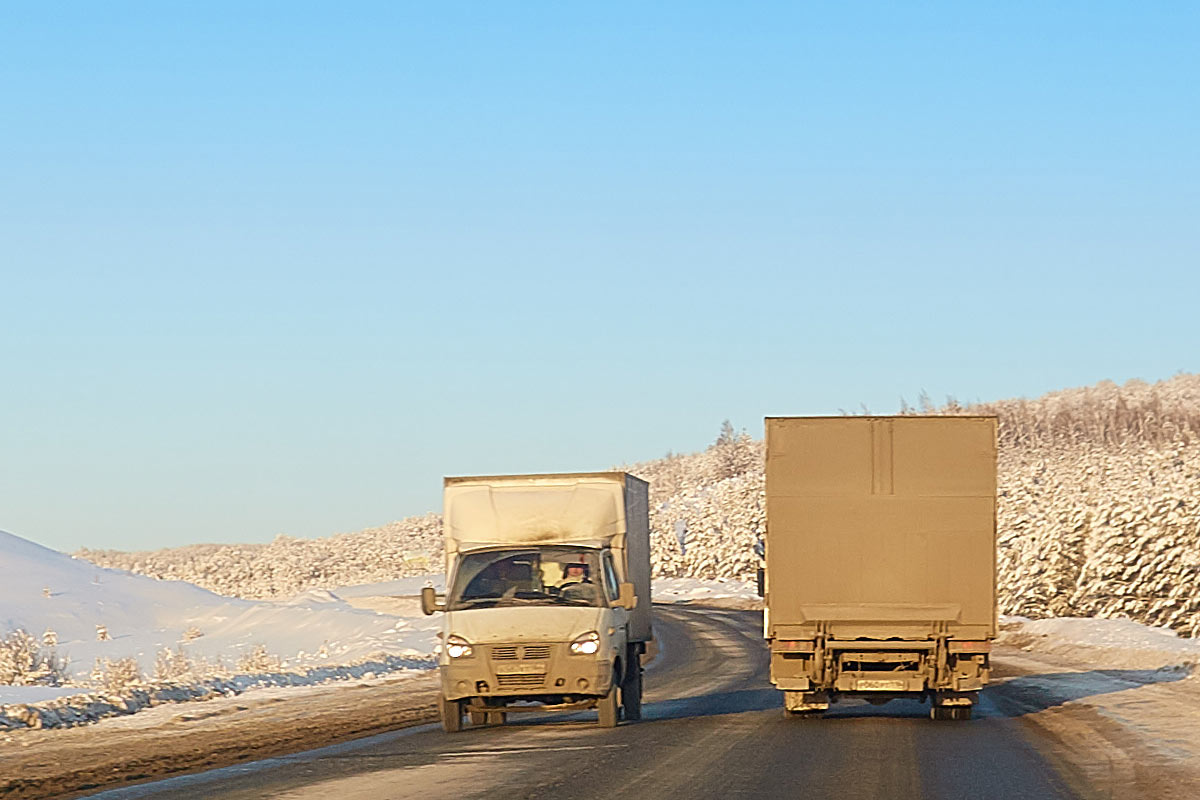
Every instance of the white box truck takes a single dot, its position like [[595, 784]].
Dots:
[[547, 604]]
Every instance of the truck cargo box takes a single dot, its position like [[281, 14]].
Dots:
[[880, 529]]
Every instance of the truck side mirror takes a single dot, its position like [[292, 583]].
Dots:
[[626, 599], [429, 603], [762, 582]]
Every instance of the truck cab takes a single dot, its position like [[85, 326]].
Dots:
[[541, 612]]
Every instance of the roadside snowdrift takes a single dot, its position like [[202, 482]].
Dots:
[[213, 644], [45, 590]]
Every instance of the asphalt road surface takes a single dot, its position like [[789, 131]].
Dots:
[[713, 727]]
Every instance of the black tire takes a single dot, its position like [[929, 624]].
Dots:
[[631, 691], [451, 712], [609, 707]]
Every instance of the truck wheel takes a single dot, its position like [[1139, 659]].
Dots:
[[477, 718], [631, 691], [451, 712], [609, 706], [950, 712]]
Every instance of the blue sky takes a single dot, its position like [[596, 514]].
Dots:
[[278, 268]]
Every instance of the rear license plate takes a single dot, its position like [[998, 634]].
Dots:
[[881, 686]]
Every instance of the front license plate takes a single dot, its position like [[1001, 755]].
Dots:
[[522, 669]]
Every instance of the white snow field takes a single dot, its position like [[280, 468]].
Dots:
[[693, 590], [310, 638]]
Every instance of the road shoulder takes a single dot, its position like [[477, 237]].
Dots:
[[177, 739]]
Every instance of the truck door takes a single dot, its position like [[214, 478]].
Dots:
[[612, 589]]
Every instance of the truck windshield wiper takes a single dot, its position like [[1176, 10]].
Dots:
[[470, 601]]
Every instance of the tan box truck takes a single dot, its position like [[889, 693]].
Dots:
[[547, 604], [881, 559]]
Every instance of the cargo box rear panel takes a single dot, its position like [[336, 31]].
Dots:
[[881, 527]]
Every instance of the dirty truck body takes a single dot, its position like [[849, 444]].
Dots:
[[880, 559], [548, 595]]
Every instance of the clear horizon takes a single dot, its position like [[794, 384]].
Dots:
[[279, 269]]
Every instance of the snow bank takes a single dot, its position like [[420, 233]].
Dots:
[[44, 590], [691, 590], [34, 694], [72, 707], [1122, 633], [312, 638], [1102, 643]]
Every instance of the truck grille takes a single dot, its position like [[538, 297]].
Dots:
[[532, 652], [520, 681]]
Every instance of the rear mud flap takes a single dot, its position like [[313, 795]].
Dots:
[[801, 702]]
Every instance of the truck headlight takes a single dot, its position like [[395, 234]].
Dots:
[[586, 645], [458, 647]]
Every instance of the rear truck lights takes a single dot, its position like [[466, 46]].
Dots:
[[458, 647], [586, 645]]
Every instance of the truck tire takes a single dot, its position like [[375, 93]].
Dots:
[[631, 691], [480, 718], [609, 706], [950, 712], [451, 712]]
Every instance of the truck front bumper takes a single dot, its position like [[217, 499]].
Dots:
[[526, 670]]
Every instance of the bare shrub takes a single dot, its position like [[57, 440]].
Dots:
[[258, 660], [116, 675], [23, 662], [182, 666]]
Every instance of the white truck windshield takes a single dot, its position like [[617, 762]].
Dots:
[[528, 576]]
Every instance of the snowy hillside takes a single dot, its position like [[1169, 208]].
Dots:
[[85, 612], [1099, 514], [287, 565]]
